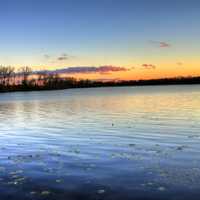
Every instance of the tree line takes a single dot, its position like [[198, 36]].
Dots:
[[25, 79]]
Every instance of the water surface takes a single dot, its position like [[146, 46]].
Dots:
[[101, 143]]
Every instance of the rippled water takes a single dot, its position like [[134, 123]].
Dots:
[[101, 143]]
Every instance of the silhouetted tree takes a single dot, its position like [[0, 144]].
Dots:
[[25, 72], [6, 73]]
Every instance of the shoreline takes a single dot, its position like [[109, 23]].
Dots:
[[94, 86]]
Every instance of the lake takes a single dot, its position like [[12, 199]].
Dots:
[[123, 143]]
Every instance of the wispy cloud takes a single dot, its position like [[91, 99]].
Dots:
[[161, 44], [148, 66], [164, 44], [63, 57]]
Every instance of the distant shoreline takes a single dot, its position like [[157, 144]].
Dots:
[[62, 84]]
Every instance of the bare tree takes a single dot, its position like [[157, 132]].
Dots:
[[25, 72], [6, 73], [10, 74]]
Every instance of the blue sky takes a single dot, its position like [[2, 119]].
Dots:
[[94, 32]]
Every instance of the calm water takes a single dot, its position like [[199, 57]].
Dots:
[[102, 143]]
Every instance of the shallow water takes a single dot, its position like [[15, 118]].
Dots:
[[101, 143]]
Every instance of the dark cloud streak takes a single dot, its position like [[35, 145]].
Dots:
[[148, 66], [161, 44], [105, 69], [92, 69]]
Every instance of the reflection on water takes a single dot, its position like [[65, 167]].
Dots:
[[101, 143]]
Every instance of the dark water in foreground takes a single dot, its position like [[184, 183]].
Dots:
[[106, 143]]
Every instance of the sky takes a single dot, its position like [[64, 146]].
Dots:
[[102, 39]]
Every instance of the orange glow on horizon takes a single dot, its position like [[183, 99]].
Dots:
[[140, 73], [163, 69]]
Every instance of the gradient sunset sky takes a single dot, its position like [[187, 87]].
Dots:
[[136, 39]]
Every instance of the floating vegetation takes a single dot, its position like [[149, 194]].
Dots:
[[161, 188], [2, 169], [16, 172], [58, 181], [150, 184], [132, 145], [45, 193], [101, 191], [12, 183], [24, 158], [33, 192], [180, 148], [128, 156], [76, 151]]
